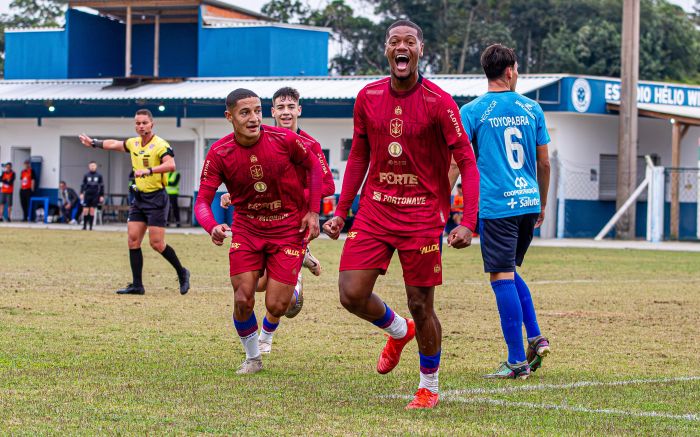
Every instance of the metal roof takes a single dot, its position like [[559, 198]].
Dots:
[[317, 88], [685, 114]]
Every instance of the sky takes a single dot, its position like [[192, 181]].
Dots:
[[360, 6]]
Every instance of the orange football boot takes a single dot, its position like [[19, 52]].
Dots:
[[424, 399], [391, 354]]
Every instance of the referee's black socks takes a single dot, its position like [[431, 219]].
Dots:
[[136, 260], [169, 254]]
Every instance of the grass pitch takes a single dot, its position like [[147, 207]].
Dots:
[[76, 358]]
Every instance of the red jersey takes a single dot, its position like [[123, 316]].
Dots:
[[407, 140], [328, 188], [26, 178], [266, 191], [8, 181]]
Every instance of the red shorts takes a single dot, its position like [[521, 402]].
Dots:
[[420, 257], [281, 257]]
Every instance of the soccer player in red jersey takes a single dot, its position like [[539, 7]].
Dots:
[[259, 164], [406, 131], [286, 111]]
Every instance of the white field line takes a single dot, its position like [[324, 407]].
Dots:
[[580, 384], [584, 281], [457, 396], [689, 417]]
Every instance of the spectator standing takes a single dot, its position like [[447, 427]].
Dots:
[[26, 188], [6, 189]]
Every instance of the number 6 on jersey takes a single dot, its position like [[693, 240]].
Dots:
[[514, 150]]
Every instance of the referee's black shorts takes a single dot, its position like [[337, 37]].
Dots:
[[91, 201], [151, 208]]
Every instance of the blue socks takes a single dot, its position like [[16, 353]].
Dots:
[[268, 326], [511, 314], [248, 333], [386, 319], [392, 323], [429, 370], [529, 316], [429, 363]]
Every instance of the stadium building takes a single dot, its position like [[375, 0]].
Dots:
[[180, 62]]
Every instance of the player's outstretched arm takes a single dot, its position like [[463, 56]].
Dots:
[[102, 144]]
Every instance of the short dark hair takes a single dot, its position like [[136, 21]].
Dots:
[[8, 163], [407, 23], [496, 58], [62, 182], [286, 91], [145, 112], [238, 94], [92, 162]]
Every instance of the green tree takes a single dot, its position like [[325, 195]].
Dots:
[[285, 11], [359, 40], [561, 36], [29, 13]]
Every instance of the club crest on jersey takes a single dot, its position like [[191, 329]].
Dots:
[[145, 161], [235, 245], [260, 187], [398, 110], [253, 158], [395, 149], [396, 127], [256, 171]]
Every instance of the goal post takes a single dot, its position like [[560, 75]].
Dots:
[[654, 183]]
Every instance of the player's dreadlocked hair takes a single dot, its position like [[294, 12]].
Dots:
[[238, 94]]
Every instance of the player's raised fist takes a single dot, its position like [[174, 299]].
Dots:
[[225, 200], [333, 227], [219, 234], [460, 237]]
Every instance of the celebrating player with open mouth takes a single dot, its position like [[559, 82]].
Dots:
[[406, 131], [259, 165]]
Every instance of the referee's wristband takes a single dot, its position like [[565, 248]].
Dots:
[[150, 170], [97, 144]]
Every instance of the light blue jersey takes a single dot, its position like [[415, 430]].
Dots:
[[505, 129]]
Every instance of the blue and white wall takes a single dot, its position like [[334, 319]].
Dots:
[[582, 131]]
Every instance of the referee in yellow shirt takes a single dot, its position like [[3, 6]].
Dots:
[[151, 158]]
